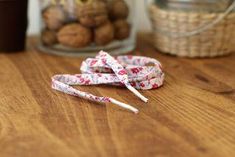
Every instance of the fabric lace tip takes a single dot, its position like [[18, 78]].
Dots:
[[133, 90], [123, 105]]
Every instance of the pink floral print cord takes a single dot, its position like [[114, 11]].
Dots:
[[133, 72]]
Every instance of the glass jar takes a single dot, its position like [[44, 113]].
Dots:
[[84, 27], [195, 5]]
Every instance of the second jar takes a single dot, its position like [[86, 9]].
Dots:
[[83, 26]]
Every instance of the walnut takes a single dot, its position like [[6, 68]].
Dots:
[[104, 34], [48, 37], [54, 17], [118, 9], [122, 29], [92, 13], [75, 35]]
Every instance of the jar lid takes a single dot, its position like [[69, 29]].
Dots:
[[206, 5]]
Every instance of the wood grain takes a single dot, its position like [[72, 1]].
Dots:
[[192, 115]]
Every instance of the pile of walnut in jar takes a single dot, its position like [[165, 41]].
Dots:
[[80, 23]]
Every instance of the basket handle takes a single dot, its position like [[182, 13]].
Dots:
[[201, 28]]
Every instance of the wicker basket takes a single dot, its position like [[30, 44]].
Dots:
[[216, 41]]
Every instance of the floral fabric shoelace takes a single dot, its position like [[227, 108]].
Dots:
[[132, 72]]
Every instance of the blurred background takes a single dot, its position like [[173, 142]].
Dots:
[[143, 22]]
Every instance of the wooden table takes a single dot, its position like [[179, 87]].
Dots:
[[192, 115]]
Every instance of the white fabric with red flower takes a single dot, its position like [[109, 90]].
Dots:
[[134, 72]]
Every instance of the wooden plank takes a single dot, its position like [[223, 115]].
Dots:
[[193, 114]]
